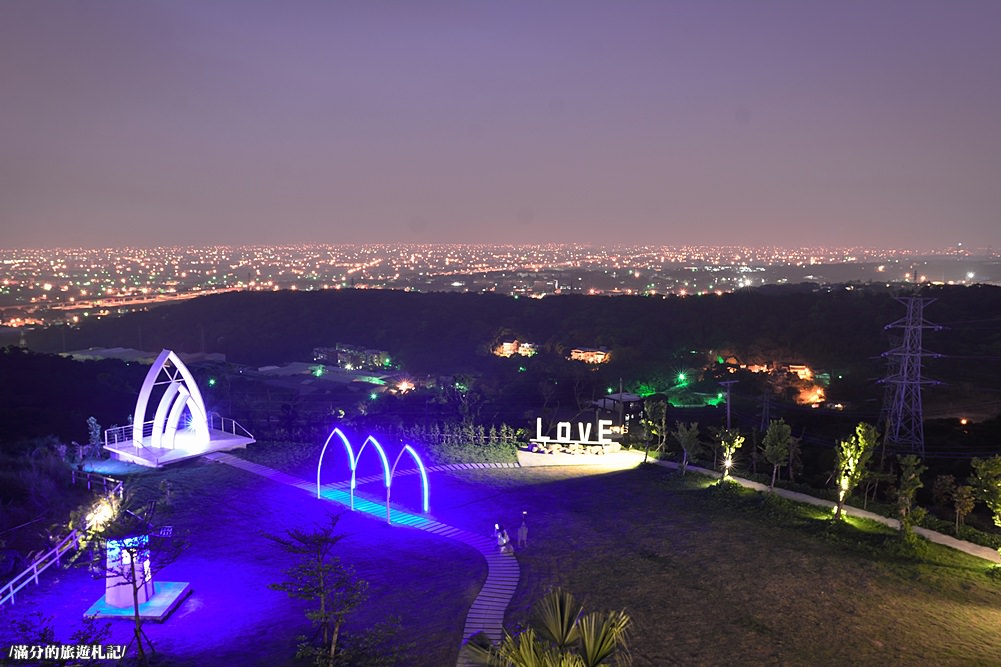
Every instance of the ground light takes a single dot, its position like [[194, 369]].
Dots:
[[101, 514]]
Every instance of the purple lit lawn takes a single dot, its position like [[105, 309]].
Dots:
[[704, 584], [232, 617]]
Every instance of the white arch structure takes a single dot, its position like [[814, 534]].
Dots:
[[388, 472], [181, 392]]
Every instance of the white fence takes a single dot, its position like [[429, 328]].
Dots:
[[69, 543]]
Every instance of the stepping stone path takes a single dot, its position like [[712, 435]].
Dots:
[[487, 611]]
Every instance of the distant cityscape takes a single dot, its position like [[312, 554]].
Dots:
[[63, 286]]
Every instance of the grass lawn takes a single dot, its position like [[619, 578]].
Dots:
[[720, 578], [710, 577]]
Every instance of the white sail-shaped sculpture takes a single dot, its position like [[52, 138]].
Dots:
[[180, 428], [181, 392]]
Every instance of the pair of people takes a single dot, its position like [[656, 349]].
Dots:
[[504, 540]]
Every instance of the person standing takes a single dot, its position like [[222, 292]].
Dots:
[[503, 541], [523, 532]]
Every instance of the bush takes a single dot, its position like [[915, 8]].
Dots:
[[985, 539], [443, 452]]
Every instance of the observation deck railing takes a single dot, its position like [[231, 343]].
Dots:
[[227, 425]]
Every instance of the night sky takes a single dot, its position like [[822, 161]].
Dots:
[[794, 123]]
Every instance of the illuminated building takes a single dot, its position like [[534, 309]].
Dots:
[[590, 355], [511, 348]]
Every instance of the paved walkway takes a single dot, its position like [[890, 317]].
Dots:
[[487, 611], [977, 550]]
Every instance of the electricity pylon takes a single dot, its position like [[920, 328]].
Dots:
[[904, 415]]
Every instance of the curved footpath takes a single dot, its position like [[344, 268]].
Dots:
[[487, 611], [977, 550]]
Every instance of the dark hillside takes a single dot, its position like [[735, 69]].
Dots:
[[839, 329], [47, 394], [439, 329]]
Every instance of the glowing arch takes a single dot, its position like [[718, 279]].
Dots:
[[388, 473], [351, 460], [181, 392], [382, 456], [420, 466]]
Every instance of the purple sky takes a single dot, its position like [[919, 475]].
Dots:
[[243, 122]]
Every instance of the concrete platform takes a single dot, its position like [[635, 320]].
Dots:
[[622, 459], [155, 457], [167, 595]]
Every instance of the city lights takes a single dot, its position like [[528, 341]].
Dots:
[[57, 285]]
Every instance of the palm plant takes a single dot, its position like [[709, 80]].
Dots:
[[560, 634]]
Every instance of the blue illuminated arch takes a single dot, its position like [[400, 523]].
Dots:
[[351, 461], [388, 472], [420, 466], [382, 456]]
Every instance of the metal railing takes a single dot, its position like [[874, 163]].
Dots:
[[69, 543], [227, 425], [119, 434]]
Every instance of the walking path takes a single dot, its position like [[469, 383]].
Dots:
[[977, 550], [487, 611]]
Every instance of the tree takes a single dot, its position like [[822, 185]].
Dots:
[[853, 459], [320, 577], [688, 438], [795, 460], [986, 483], [942, 490], [910, 481], [93, 437], [559, 633], [656, 413], [730, 441], [135, 551], [36, 629], [776, 446], [963, 501]]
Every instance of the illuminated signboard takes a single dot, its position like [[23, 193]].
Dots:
[[565, 435]]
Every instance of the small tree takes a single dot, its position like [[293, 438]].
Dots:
[[986, 483], [688, 438], [910, 481], [730, 441], [136, 551], [35, 628], [942, 490], [963, 501], [853, 458], [93, 436], [656, 418], [795, 460], [320, 577], [776, 446]]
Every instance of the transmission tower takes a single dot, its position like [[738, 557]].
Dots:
[[904, 416]]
